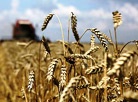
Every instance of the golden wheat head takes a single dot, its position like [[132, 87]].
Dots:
[[117, 18], [74, 25], [120, 62], [100, 37], [51, 69], [46, 21], [45, 43]]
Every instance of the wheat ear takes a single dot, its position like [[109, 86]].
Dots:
[[117, 18], [107, 38], [45, 43], [95, 69], [63, 75], [51, 69], [92, 50], [101, 84], [31, 80], [69, 88], [120, 62], [46, 21], [92, 41], [81, 56], [100, 37], [73, 26]]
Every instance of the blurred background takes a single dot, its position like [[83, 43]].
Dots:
[[90, 14]]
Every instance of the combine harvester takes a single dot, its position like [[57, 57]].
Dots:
[[24, 30]]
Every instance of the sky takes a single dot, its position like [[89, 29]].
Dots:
[[90, 14]]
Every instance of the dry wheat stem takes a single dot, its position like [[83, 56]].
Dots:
[[61, 28], [134, 41]]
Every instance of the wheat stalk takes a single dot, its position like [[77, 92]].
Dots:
[[66, 46]]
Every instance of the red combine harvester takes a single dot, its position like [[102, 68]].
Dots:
[[23, 29]]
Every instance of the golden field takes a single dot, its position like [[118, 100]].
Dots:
[[18, 59]]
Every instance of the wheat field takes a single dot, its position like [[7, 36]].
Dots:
[[65, 71]]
